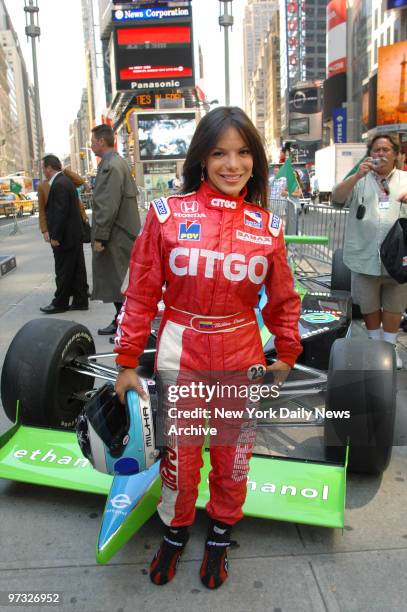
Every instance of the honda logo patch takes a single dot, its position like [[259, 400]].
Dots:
[[189, 207]]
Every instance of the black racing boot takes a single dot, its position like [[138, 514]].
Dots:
[[164, 565], [214, 568]]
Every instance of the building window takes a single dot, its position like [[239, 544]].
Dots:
[[309, 49], [376, 19], [375, 52], [321, 49]]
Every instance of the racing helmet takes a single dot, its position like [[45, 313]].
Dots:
[[117, 439]]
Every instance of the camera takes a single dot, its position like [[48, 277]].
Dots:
[[376, 162]]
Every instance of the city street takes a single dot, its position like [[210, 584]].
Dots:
[[272, 123], [49, 535]]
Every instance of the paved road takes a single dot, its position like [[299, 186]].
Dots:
[[48, 535]]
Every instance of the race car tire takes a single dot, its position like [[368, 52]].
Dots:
[[362, 381], [34, 373], [341, 279]]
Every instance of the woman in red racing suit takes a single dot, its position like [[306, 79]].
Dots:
[[212, 247]]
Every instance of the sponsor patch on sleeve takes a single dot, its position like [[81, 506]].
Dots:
[[275, 225], [162, 210]]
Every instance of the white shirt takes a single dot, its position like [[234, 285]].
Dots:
[[363, 237], [51, 180]]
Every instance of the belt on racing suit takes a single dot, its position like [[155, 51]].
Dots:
[[208, 324]]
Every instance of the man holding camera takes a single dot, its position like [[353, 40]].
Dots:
[[377, 196]]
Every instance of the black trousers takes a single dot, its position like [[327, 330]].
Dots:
[[70, 277]]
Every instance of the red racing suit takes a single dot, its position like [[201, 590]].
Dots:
[[211, 253]]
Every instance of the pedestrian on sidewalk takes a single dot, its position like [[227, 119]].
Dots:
[[115, 222], [43, 193], [376, 196], [64, 228]]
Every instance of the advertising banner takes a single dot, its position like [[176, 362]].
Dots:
[[153, 48], [336, 37], [392, 84], [396, 4], [339, 121], [305, 114]]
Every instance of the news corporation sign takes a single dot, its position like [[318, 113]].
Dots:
[[146, 14]]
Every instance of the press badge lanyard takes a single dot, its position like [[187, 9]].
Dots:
[[383, 187]]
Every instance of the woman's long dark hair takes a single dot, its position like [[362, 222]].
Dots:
[[205, 139]]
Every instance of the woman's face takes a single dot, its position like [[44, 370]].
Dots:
[[230, 163]]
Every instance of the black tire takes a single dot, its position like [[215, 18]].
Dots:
[[34, 373], [341, 279], [361, 380], [340, 275]]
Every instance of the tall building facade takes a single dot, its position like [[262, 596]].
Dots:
[[81, 159], [264, 89], [94, 58], [258, 14], [16, 131], [302, 47], [370, 27], [6, 155]]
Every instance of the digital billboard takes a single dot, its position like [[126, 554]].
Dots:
[[153, 49], [299, 125], [165, 136], [305, 111], [336, 37], [392, 84]]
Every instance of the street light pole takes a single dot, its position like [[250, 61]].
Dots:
[[226, 21], [33, 31]]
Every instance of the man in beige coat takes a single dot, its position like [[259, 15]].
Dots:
[[115, 221]]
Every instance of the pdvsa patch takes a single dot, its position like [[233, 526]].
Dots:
[[253, 219], [190, 230]]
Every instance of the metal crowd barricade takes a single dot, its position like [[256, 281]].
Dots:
[[303, 218], [322, 220]]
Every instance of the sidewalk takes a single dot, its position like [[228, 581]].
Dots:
[[49, 535]]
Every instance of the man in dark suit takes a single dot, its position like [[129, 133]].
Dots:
[[65, 233]]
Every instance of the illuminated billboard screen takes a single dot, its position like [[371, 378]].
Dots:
[[298, 125], [392, 84], [165, 136], [153, 51]]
